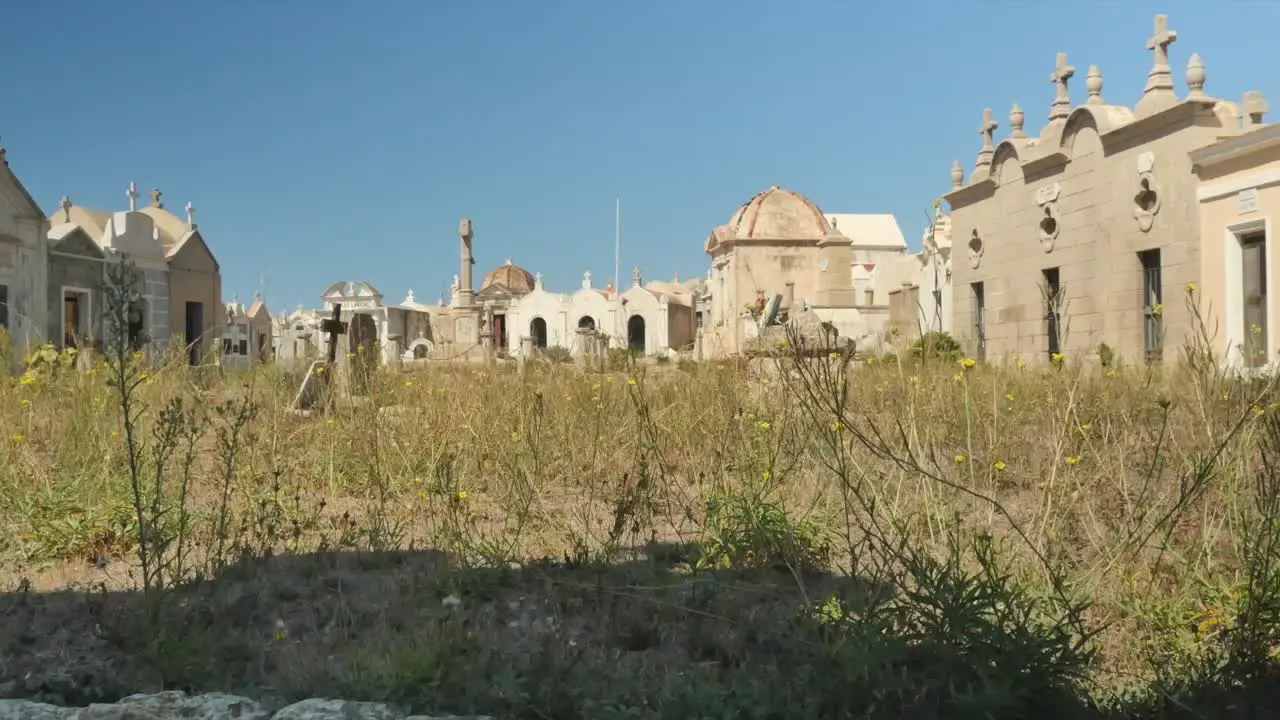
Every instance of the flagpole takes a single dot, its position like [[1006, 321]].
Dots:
[[617, 241]]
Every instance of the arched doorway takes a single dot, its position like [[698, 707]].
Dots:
[[362, 339], [420, 351], [586, 322], [635, 333], [538, 329]]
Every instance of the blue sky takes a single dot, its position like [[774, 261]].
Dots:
[[324, 140]]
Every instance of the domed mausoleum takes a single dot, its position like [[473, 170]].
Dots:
[[780, 244]]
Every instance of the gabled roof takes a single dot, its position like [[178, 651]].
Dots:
[[32, 205]]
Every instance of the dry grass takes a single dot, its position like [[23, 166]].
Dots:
[[790, 539]]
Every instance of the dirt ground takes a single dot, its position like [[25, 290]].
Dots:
[[413, 629]]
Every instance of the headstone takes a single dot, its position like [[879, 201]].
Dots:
[[770, 314], [319, 376]]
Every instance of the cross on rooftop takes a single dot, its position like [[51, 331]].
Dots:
[[66, 208], [1062, 101], [333, 327], [988, 128], [191, 215], [133, 197], [635, 275], [1163, 38]]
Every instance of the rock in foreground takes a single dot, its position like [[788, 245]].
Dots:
[[211, 706]]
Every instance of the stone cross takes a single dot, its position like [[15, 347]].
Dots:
[[1161, 40], [537, 280], [586, 279], [1061, 107], [1255, 108], [4, 159], [635, 276], [191, 215], [66, 208], [156, 202], [333, 327], [133, 197], [988, 129], [1160, 78]]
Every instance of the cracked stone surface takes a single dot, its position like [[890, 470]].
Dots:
[[210, 706]]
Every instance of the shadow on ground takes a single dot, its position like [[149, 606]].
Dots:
[[645, 638]]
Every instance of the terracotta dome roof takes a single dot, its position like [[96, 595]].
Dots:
[[778, 214], [513, 277]]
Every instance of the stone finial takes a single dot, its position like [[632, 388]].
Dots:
[[156, 201], [65, 204], [191, 215], [1017, 120], [132, 194], [1160, 78], [1195, 78], [464, 229], [957, 175], [409, 298], [1063, 72], [1255, 108], [987, 130], [1093, 83], [635, 276]]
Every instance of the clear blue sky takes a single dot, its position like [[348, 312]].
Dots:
[[324, 140]]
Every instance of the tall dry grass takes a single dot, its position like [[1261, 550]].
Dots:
[[1099, 539]]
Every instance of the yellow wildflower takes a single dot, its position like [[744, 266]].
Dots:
[[19, 438], [764, 424], [1192, 288], [968, 363], [1073, 460], [766, 475], [957, 377], [1009, 397], [26, 402], [960, 458], [631, 381], [1000, 466], [462, 494]]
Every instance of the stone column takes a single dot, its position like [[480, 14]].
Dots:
[[789, 296], [466, 293], [697, 346], [580, 347]]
